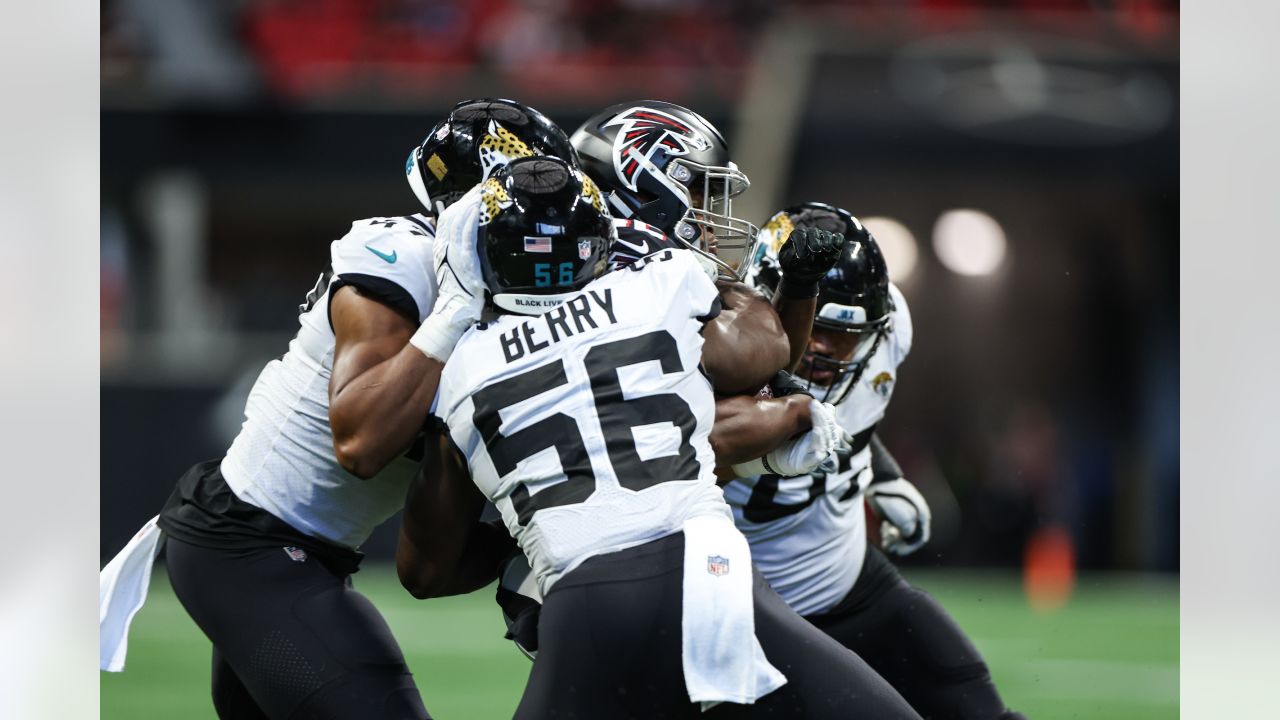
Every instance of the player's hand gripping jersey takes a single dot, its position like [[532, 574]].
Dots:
[[808, 533], [587, 425], [283, 460]]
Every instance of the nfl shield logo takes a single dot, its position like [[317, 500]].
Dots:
[[584, 249], [717, 565], [296, 554]]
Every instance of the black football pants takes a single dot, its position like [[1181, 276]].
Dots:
[[609, 646], [291, 640], [913, 643]]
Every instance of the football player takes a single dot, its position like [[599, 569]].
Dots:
[[807, 532], [262, 542], [434, 555], [665, 173], [666, 166], [583, 413]]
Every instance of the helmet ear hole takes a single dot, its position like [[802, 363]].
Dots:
[[644, 196]]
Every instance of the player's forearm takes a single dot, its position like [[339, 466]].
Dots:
[[486, 546], [796, 315], [444, 549], [745, 345], [747, 428], [376, 416]]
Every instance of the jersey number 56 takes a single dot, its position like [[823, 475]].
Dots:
[[617, 416]]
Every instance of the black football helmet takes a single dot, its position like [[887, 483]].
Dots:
[[477, 138], [544, 233], [667, 166], [853, 297]]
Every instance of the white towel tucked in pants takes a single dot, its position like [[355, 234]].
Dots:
[[723, 660], [122, 589]]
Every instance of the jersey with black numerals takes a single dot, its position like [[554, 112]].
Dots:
[[808, 533], [587, 426], [283, 460]]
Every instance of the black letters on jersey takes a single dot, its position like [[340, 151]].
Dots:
[[524, 338]]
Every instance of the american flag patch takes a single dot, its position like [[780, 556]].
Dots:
[[717, 565], [296, 554], [537, 244]]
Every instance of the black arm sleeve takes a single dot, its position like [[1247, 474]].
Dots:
[[883, 466]]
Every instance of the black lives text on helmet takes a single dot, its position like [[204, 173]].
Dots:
[[544, 233], [853, 297], [477, 138], [667, 166]]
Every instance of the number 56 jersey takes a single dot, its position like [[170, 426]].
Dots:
[[587, 426]]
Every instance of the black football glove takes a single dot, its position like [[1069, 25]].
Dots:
[[805, 257], [785, 383]]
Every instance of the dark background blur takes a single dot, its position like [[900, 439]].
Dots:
[[1041, 393]]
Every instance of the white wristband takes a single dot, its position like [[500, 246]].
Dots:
[[752, 468], [437, 336]]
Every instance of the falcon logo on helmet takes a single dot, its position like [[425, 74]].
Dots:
[[642, 132]]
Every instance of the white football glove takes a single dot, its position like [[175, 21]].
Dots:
[[803, 453], [905, 515], [459, 284]]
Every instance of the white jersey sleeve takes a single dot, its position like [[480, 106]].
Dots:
[[283, 460], [389, 260]]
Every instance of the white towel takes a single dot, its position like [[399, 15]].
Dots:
[[122, 589], [723, 660]]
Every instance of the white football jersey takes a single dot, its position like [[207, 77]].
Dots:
[[808, 533], [283, 459], [587, 426]]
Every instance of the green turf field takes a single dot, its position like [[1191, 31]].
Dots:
[[1112, 652]]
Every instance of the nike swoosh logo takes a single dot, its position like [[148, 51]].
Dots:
[[389, 258], [640, 248]]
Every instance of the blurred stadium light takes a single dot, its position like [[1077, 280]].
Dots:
[[969, 242], [898, 245]]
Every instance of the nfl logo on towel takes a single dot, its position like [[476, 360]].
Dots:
[[584, 249], [296, 554], [537, 244], [717, 565]]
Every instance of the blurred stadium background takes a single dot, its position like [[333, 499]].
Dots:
[[1017, 160]]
